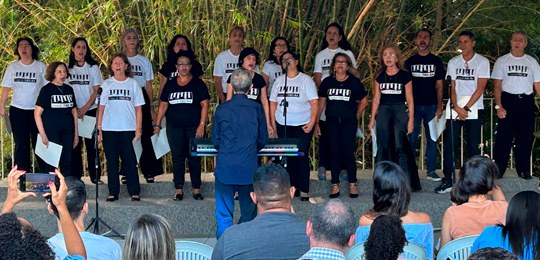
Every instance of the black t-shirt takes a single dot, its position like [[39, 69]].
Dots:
[[184, 102], [57, 103], [393, 87], [342, 97], [258, 83], [425, 71], [169, 71]]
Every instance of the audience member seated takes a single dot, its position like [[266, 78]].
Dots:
[[19, 240], [330, 231], [471, 210], [391, 196], [149, 237], [522, 229], [386, 238], [276, 233], [490, 253], [97, 247]]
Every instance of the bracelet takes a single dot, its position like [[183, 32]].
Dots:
[[202, 123], [157, 126]]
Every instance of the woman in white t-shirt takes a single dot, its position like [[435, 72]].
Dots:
[[227, 61], [85, 78], [143, 73], [296, 92], [334, 41], [119, 124], [271, 67], [25, 77]]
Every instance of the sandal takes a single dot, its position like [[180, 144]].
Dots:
[[135, 198], [111, 198], [179, 195], [334, 192], [353, 191]]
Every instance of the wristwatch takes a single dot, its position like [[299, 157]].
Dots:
[[497, 107], [467, 108]]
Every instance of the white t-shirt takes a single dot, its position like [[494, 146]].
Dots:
[[517, 73], [224, 66], [120, 99], [83, 80], [300, 90], [97, 247], [26, 82], [466, 75], [142, 69], [323, 60], [273, 70]]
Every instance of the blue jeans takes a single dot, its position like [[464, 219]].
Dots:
[[425, 113], [225, 205]]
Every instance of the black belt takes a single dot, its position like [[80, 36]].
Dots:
[[522, 95]]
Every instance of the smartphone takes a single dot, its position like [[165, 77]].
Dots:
[[39, 182]]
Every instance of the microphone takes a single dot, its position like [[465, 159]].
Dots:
[[99, 90], [287, 64]]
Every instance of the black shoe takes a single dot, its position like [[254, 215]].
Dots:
[[99, 182], [149, 179], [445, 187], [525, 175], [198, 196], [135, 198], [178, 197], [111, 198], [334, 192], [297, 193], [304, 198], [123, 180]]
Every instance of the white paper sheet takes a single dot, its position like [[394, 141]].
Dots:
[[8, 123], [462, 101], [50, 154], [359, 133], [374, 139], [436, 127], [137, 146], [160, 143], [86, 126]]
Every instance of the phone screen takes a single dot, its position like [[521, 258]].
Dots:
[[38, 182]]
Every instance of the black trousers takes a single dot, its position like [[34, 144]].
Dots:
[[76, 157], [179, 142], [324, 145], [150, 166], [63, 137], [393, 143], [25, 133], [342, 133], [298, 167], [472, 130], [518, 126], [119, 144]]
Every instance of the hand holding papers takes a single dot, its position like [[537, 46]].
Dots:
[[436, 127], [86, 126], [49, 153], [160, 143], [137, 146], [462, 101]]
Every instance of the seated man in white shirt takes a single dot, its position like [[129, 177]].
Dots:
[[97, 247]]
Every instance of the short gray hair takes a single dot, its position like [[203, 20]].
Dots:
[[333, 222], [241, 80], [149, 237]]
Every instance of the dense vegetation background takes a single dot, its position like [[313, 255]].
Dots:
[[369, 24]]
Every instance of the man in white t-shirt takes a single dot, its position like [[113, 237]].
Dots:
[[97, 247], [470, 73], [514, 76]]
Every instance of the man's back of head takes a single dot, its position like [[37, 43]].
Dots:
[[75, 198], [241, 80], [272, 187], [333, 223]]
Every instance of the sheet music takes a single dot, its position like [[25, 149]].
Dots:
[[86, 126], [50, 154], [374, 139], [137, 146], [462, 101], [8, 123], [160, 143], [436, 127]]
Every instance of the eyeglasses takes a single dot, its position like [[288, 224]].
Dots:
[[281, 46], [467, 65], [389, 55], [183, 64], [341, 62]]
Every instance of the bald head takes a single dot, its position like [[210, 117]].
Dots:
[[333, 222]]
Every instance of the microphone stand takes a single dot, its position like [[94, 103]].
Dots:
[[95, 221], [449, 84], [285, 105]]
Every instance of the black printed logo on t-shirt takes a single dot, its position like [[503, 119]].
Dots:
[[137, 70], [326, 64], [181, 98], [26, 77], [277, 74], [465, 74], [423, 70], [61, 101], [120, 94], [230, 67], [79, 79], [391, 88], [292, 91], [253, 93], [339, 94], [517, 71]]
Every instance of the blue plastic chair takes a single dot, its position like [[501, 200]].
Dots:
[[457, 249], [411, 251], [190, 250]]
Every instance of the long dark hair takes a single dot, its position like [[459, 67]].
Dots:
[[271, 56], [35, 49], [523, 223], [171, 55], [478, 176], [343, 43], [88, 57], [391, 191]]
